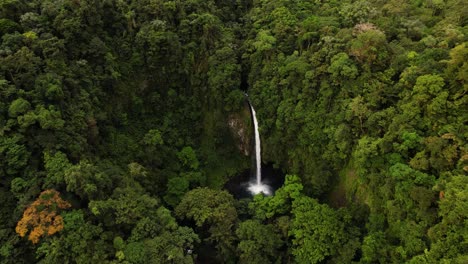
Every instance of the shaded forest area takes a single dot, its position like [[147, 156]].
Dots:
[[115, 142]]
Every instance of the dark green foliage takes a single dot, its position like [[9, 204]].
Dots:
[[258, 243], [125, 108], [176, 188], [80, 241], [214, 210], [8, 26]]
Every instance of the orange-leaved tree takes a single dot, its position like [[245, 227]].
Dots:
[[42, 216]]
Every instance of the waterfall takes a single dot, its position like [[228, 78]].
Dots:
[[258, 154], [257, 187]]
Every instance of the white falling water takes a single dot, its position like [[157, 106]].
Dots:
[[258, 148], [258, 187]]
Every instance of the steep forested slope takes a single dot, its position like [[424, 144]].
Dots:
[[374, 91], [115, 139]]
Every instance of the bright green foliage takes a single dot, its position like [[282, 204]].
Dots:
[[55, 164], [137, 171], [134, 252], [264, 41], [357, 12], [153, 138], [188, 158], [316, 230], [18, 107], [49, 118], [373, 248], [280, 203], [342, 67], [428, 85], [449, 236]]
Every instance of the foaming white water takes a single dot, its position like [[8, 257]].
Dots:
[[259, 188]]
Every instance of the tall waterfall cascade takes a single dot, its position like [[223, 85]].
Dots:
[[258, 148], [257, 186]]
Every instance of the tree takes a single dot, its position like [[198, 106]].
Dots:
[[126, 206], [176, 188], [449, 237], [258, 243], [21, 67], [8, 26], [264, 43], [188, 157], [358, 108], [80, 241], [42, 217], [153, 138], [265, 207], [342, 67], [14, 154], [157, 238], [55, 164], [357, 12], [172, 247], [214, 210], [316, 231], [374, 248], [87, 181], [370, 48], [223, 75], [18, 107], [49, 118]]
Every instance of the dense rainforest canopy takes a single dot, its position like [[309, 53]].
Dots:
[[116, 134]]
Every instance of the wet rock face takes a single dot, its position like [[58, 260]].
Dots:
[[240, 131]]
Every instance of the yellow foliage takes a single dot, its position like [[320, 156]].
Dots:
[[30, 35], [41, 216]]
